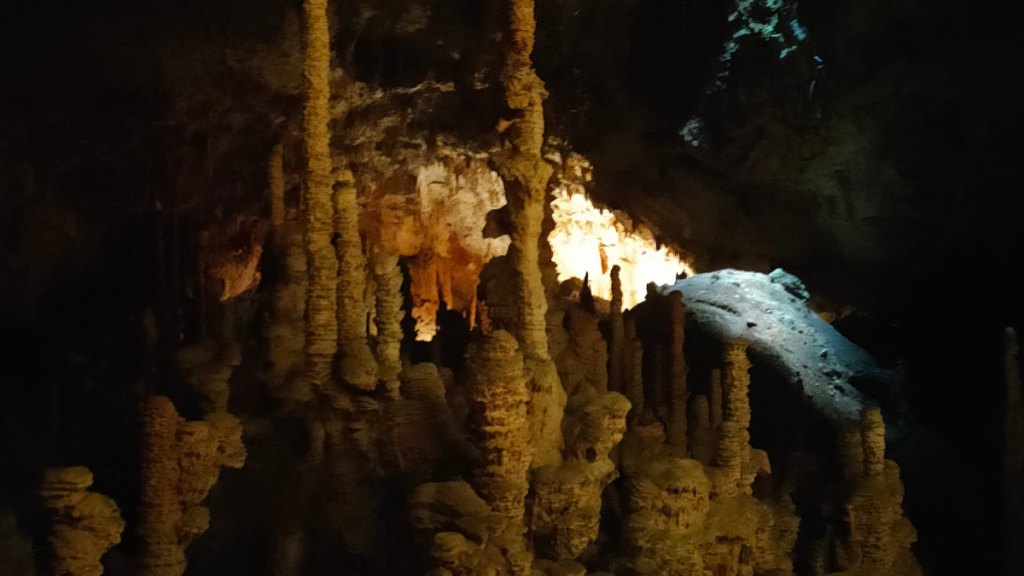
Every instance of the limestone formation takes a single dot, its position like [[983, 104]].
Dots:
[[286, 324], [634, 367], [734, 438], [389, 315], [497, 390], [86, 524], [357, 365], [879, 535], [525, 172], [617, 347], [208, 365], [702, 438], [677, 418], [321, 302], [181, 462], [668, 501]]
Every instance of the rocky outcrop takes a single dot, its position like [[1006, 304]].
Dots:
[[786, 337], [86, 524]]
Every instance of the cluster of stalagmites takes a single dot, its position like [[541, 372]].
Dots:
[[181, 462], [86, 524]]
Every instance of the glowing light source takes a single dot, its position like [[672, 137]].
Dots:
[[590, 240]]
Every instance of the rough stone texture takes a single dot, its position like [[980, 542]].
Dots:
[[785, 335], [86, 524], [618, 347], [208, 366], [677, 419], [285, 327], [734, 439], [497, 390], [321, 299], [389, 314], [181, 462], [356, 366]]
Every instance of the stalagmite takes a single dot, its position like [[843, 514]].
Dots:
[[734, 438], [702, 439], [181, 462], [617, 347], [634, 369], [275, 182], [496, 385], [208, 365], [525, 172], [1013, 474], [389, 315], [879, 535], [321, 303], [497, 389], [286, 325], [160, 512], [668, 501], [86, 524], [677, 418], [715, 401], [357, 365]]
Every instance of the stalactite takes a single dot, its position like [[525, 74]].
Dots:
[[1013, 474], [321, 304], [357, 365], [181, 462], [677, 419], [734, 439], [86, 524], [388, 318], [634, 370], [617, 347]]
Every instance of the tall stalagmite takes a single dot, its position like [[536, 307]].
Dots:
[[634, 369], [321, 303], [617, 348], [159, 511], [389, 315], [497, 389], [525, 172], [677, 416], [286, 324], [181, 462], [86, 524], [734, 436], [1013, 479], [357, 365], [879, 535]]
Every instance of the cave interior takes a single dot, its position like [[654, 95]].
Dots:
[[511, 288]]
